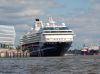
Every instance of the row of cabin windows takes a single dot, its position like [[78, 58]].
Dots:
[[57, 31], [57, 38], [55, 28]]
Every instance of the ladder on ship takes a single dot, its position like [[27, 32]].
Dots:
[[40, 52]]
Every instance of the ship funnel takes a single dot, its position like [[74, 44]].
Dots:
[[38, 24]]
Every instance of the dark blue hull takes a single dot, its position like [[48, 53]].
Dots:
[[48, 49]]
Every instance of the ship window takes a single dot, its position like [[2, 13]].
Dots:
[[55, 28], [57, 31], [48, 28], [63, 28]]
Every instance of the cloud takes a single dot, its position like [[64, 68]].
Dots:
[[21, 9], [86, 28], [21, 13], [30, 12], [86, 25]]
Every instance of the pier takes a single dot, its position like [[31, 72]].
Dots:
[[9, 53]]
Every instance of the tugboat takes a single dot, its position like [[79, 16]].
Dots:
[[49, 39]]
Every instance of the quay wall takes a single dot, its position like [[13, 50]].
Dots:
[[13, 53]]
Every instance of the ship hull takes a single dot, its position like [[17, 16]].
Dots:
[[48, 48]]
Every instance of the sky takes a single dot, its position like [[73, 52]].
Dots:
[[82, 16]]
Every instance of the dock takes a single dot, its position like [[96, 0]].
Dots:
[[9, 53]]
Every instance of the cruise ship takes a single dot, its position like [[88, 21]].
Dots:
[[47, 39]]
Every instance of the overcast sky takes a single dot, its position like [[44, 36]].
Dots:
[[82, 16]]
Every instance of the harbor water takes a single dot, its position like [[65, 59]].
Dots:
[[51, 65]]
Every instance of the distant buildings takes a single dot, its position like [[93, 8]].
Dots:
[[90, 50], [86, 50], [7, 36]]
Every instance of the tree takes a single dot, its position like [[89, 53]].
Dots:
[[18, 47]]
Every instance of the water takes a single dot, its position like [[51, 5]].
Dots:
[[51, 65]]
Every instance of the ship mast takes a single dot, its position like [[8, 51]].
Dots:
[[51, 22]]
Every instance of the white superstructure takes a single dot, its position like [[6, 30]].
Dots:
[[53, 32], [49, 32]]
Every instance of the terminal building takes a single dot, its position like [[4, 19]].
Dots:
[[7, 36]]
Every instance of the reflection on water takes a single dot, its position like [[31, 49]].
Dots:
[[51, 65]]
